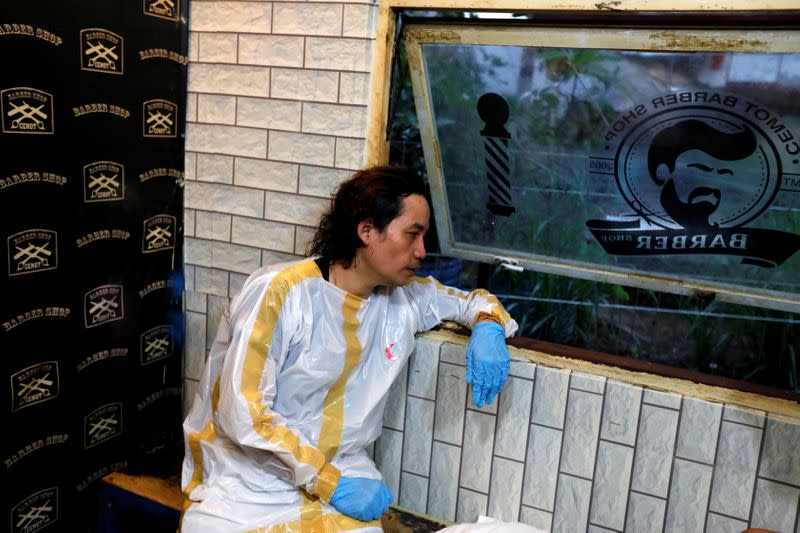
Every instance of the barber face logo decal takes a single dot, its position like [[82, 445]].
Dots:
[[695, 168], [102, 424], [35, 512], [103, 304], [102, 51], [35, 384], [103, 181], [26, 110], [32, 250]]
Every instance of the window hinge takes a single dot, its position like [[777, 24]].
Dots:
[[508, 264]]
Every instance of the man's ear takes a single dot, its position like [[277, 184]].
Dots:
[[365, 230]]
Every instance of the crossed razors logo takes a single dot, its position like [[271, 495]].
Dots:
[[34, 384], [27, 110], [155, 344], [159, 118], [695, 168], [102, 424], [103, 181], [103, 304], [35, 512], [33, 250], [165, 9], [158, 234], [102, 51]]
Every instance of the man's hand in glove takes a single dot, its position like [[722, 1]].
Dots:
[[361, 498], [487, 362]]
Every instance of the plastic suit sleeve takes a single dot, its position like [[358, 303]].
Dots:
[[262, 324], [436, 302]]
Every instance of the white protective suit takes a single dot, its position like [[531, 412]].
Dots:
[[294, 390]]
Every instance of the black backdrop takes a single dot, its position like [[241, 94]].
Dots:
[[91, 192]]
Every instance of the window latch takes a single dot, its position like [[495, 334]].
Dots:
[[508, 264]]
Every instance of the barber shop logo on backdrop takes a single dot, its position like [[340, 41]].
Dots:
[[165, 9], [158, 234], [103, 304], [155, 344], [34, 384], [696, 168], [159, 118], [102, 424], [35, 512], [27, 110], [32, 250], [102, 51], [103, 181]]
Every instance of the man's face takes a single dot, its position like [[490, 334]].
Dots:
[[392, 256]]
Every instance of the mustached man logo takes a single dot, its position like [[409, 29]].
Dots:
[[35, 384], [35, 512], [103, 181], [27, 110], [165, 9], [159, 118], [695, 168], [102, 424], [103, 304], [32, 250], [158, 234], [155, 344], [102, 51]]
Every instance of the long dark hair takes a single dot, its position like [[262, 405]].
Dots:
[[374, 194]]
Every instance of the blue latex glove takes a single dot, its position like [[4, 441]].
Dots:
[[487, 362], [361, 498]]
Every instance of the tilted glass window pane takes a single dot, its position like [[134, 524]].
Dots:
[[684, 165]]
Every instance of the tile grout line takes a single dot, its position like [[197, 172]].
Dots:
[[633, 461], [674, 462], [433, 422], [758, 470], [596, 454], [656, 496], [778, 481], [561, 448], [714, 467], [528, 436], [663, 406]]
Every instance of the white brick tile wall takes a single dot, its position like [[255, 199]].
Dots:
[[506, 489], [645, 513], [541, 471], [513, 415], [242, 17], [263, 174], [195, 345], [307, 18], [688, 499], [536, 518], [335, 119], [354, 88], [587, 382], [470, 505], [215, 168], [188, 276], [388, 451], [217, 47], [743, 415], [271, 257], [302, 238], [233, 140], [216, 108], [338, 54], [451, 395], [550, 397], [224, 256], [190, 166], [196, 301], [307, 85], [735, 469], [780, 459], [194, 38], [581, 431], [611, 482], [443, 490], [235, 200], [240, 80], [320, 181], [301, 148], [215, 226], [418, 434], [263, 234], [358, 20], [235, 283], [724, 524], [663, 399], [572, 504], [210, 280], [293, 208], [216, 307], [697, 435], [191, 107], [188, 222], [621, 413], [394, 414], [654, 449], [422, 369], [775, 506], [413, 491], [271, 50], [268, 113], [477, 453]]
